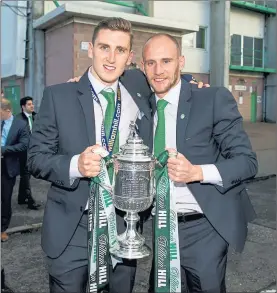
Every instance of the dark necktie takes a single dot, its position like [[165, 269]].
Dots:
[[109, 114], [2, 125]]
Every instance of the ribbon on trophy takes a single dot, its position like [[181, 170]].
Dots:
[[102, 229], [167, 256]]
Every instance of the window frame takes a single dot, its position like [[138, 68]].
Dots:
[[242, 49]]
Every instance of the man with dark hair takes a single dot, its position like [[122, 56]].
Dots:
[[24, 192], [14, 140], [67, 130]]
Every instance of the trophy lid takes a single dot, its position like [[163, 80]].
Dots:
[[134, 150]]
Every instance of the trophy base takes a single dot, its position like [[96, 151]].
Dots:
[[131, 252]]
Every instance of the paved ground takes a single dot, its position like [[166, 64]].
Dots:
[[263, 140], [252, 271]]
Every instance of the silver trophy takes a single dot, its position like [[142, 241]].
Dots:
[[133, 192]]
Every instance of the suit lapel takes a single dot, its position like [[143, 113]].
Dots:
[[141, 102], [183, 113], [86, 101], [153, 104]]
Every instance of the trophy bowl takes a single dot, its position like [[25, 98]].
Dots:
[[133, 192]]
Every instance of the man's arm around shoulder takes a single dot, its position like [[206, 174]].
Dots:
[[240, 162]]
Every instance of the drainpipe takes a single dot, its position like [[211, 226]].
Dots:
[[264, 65], [29, 81], [264, 99]]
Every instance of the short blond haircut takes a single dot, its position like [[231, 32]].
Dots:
[[114, 24], [6, 104]]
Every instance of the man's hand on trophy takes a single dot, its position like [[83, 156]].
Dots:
[[181, 170], [89, 162], [74, 79]]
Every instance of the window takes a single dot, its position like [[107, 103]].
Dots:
[[246, 51], [201, 38], [195, 40], [188, 40], [236, 50], [258, 52]]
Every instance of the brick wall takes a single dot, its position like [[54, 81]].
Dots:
[[65, 59], [83, 33], [59, 54]]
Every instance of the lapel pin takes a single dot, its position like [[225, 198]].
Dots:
[[182, 116], [138, 94]]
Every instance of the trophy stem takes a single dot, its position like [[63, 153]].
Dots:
[[131, 219], [131, 236], [131, 242]]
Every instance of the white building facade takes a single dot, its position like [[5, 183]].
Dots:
[[233, 46]]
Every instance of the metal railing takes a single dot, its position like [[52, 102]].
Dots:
[[251, 59], [132, 4], [247, 57], [265, 6], [265, 3]]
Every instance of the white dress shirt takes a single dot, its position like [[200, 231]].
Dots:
[[129, 112], [185, 201], [6, 130], [29, 122]]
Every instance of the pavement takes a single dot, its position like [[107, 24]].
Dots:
[[252, 271], [263, 140]]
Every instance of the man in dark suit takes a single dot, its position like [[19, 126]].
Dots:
[[15, 136], [214, 158], [67, 128], [24, 192]]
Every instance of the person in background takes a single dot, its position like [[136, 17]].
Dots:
[[24, 192], [15, 138]]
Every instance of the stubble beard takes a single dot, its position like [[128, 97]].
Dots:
[[165, 90]]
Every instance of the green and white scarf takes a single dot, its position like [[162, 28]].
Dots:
[[102, 230], [167, 272]]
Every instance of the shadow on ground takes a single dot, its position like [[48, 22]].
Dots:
[[252, 271]]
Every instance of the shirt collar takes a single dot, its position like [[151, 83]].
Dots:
[[98, 85], [9, 120], [27, 114], [172, 97]]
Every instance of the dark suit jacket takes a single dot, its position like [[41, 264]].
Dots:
[[23, 155], [212, 133], [16, 144], [22, 116], [65, 126]]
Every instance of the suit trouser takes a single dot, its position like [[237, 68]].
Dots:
[[203, 257], [7, 185], [24, 190], [69, 272]]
